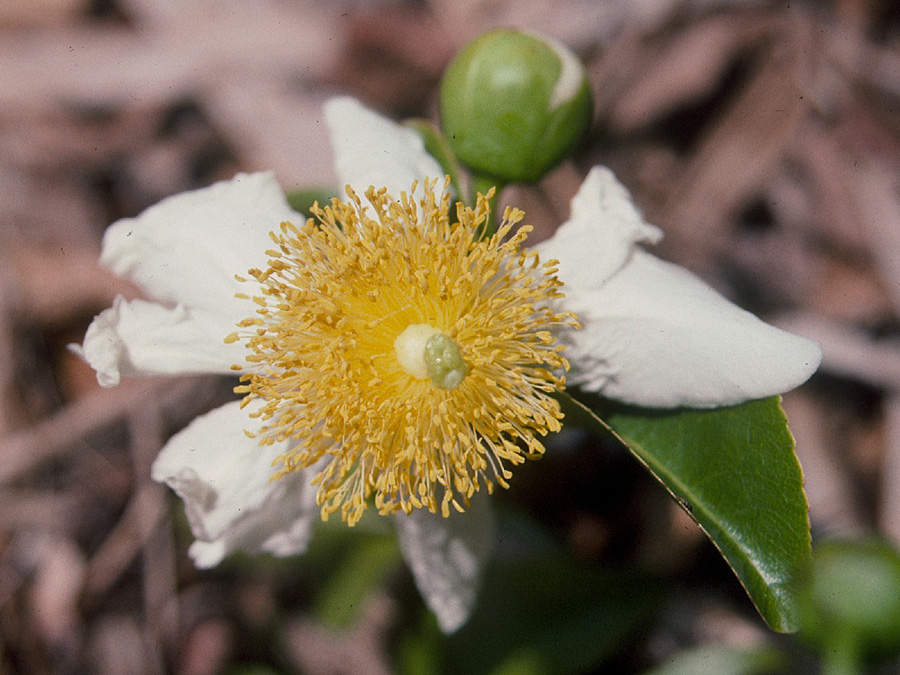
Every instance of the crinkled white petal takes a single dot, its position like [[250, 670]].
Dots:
[[283, 526], [371, 150], [447, 557], [224, 478], [656, 335], [187, 248], [142, 338], [602, 231]]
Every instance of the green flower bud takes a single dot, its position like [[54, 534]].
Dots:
[[513, 105], [850, 600]]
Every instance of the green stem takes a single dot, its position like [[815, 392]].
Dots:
[[481, 185]]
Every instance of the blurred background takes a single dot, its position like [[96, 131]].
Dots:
[[763, 137]]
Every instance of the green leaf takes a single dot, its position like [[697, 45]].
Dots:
[[549, 615], [364, 568], [735, 472], [522, 663], [419, 651], [850, 600]]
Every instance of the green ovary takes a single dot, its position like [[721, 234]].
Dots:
[[444, 362]]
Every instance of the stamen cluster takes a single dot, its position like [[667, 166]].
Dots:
[[337, 293]]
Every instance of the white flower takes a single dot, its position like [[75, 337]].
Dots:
[[652, 334]]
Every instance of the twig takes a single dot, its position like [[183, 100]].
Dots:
[[25, 451], [849, 352], [144, 512]]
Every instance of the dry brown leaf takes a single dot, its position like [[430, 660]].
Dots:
[[691, 66], [831, 504], [55, 591], [878, 202], [104, 67], [318, 650], [26, 450], [848, 352], [57, 286], [38, 13], [737, 154], [274, 129]]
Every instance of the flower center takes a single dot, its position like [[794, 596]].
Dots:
[[423, 351], [409, 360]]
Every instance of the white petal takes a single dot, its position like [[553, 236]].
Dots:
[[224, 478], [371, 150], [602, 230], [447, 557], [143, 338], [656, 335], [187, 248]]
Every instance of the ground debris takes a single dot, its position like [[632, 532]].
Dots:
[[762, 137]]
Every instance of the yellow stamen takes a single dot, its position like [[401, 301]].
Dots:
[[410, 360]]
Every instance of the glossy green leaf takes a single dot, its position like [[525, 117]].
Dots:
[[735, 472]]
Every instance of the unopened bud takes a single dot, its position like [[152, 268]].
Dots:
[[514, 104]]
